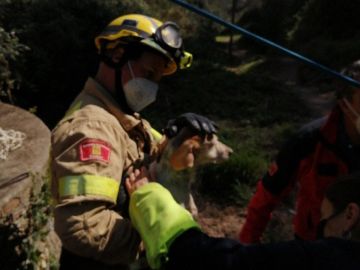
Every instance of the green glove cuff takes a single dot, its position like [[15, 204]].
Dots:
[[159, 220]]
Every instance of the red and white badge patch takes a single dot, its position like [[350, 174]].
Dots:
[[94, 150]]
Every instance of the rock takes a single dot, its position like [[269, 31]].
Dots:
[[30, 158], [25, 222]]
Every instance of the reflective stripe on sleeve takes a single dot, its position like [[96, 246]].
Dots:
[[74, 108], [86, 184], [156, 134]]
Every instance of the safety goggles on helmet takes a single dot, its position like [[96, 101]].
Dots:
[[168, 37]]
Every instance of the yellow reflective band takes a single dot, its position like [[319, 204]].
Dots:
[[156, 134], [86, 184], [74, 108]]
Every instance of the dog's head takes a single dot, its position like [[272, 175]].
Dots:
[[187, 150], [212, 151]]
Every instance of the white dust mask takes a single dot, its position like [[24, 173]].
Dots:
[[351, 108], [139, 92]]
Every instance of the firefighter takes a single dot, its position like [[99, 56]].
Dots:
[[173, 240], [313, 159], [102, 135]]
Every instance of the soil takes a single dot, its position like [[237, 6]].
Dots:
[[221, 221], [227, 221]]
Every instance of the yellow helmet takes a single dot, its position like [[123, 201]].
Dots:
[[162, 37]]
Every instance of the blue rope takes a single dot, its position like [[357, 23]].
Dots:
[[267, 42]]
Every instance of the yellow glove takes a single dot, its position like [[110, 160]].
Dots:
[[159, 220]]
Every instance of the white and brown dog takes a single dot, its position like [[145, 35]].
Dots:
[[187, 150]]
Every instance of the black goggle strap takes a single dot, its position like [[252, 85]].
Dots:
[[322, 224], [126, 25], [104, 57], [119, 94], [124, 43], [336, 213]]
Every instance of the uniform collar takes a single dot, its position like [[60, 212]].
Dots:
[[127, 121]]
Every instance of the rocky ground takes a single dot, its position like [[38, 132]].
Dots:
[[221, 221]]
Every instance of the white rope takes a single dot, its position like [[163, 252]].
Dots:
[[9, 141]]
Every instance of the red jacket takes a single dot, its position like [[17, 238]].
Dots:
[[311, 161]]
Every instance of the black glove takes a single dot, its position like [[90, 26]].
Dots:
[[198, 123]]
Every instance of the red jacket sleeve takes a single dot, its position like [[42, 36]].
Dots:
[[258, 215], [278, 181]]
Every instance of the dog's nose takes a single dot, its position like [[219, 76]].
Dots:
[[227, 153]]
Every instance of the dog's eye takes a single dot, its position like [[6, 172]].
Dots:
[[209, 137]]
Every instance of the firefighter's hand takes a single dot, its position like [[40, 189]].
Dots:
[[136, 178], [199, 124]]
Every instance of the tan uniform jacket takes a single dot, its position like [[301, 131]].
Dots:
[[91, 148]]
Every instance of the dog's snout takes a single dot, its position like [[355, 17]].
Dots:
[[227, 153]]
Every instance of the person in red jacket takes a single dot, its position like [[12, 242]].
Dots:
[[312, 160]]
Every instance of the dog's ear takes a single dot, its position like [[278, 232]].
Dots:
[[162, 145], [185, 134], [183, 156]]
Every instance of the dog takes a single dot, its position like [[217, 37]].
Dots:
[[187, 150]]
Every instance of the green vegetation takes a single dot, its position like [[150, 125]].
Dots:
[[23, 241], [34, 246], [254, 147], [10, 52], [226, 38]]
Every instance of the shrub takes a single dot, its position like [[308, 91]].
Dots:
[[10, 51], [328, 31], [233, 179], [271, 19]]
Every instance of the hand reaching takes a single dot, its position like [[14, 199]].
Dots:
[[136, 178]]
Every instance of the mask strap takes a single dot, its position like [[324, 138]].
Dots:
[[131, 70], [348, 234], [120, 93], [350, 107]]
